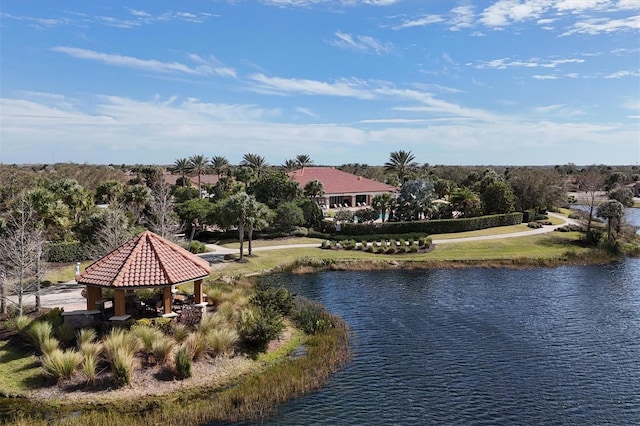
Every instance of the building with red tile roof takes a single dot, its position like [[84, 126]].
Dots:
[[145, 261], [207, 179], [341, 189]]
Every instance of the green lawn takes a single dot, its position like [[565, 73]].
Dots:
[[19, 370], [274, 242], [64, 273], [548, 246], [491, 231]]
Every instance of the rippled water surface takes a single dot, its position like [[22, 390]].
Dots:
[[481, 346]]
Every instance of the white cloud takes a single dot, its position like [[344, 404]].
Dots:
[[622, 74], [505, 63], [288, 86], [604, 25], [462, 17], [161, 130], [421, 22], [545, 77], [202, 67], [361, 43]]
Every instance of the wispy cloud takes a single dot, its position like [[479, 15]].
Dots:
[[622, 74], [420, 22], [35, 21], [202, 67], [306, 3], [351, 88], [604, 25], [361, 43], [505, 63]]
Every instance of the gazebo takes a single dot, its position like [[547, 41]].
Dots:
[[145, 261]]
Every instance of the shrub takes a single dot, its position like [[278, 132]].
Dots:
[[121, 360], [53, 317], [592, 238], [66, 333], [534, 225], [65, 251], [59, 364], [573, 216], [162, 324], [278, 299], [162, 349], [183, 362], [300, 231], [440, 226], [197, 247], [311, 317], [258, 327], [221, 341]]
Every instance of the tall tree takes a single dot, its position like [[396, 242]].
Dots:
[[289, 165], [415, 198], [109, 192], [219, 164], [181, 166], [255, 162], [136, 198], [198, 165], [259, 217], [235, 211], [303, 161], [275, 188], [163, 220], [591, 182], [401, 164], [21, 252], [498, 198], [612, 211]]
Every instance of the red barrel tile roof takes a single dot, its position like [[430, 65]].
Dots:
[[336, 181], [146, 260]]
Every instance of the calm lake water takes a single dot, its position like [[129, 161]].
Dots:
[[480, 346]]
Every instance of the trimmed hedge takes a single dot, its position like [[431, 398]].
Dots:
[[441, 226], [66, 251]]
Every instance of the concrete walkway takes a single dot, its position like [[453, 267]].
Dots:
[[69, 294]]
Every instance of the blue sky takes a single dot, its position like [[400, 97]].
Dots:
[[503, 82]]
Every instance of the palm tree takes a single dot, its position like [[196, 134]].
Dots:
[[258, 217], [137, 197], [237, 210], [255, 162], [303, 161], [400, 163], [289, 165], [466, 201], [382, 203], [182, 166], [612, 210], [219, 164], [198, 165], [314, 189]]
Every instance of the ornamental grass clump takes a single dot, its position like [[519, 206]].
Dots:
[[86, 335], [147, 335], [122, 365], [93, 349], [89, 367], [37, 332], [181, 332], [22, 322], [119, 340], [59, 364], [49, 344], [183, 362], [196, 343], [162, 349], [221, 341]]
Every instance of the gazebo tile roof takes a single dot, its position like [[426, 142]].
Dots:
[[146, 260]]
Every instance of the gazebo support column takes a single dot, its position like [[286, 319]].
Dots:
[[166, 300], [118, 302], [93, 295], [197, 291]]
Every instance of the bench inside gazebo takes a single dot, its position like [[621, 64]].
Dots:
[[146, 261]]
